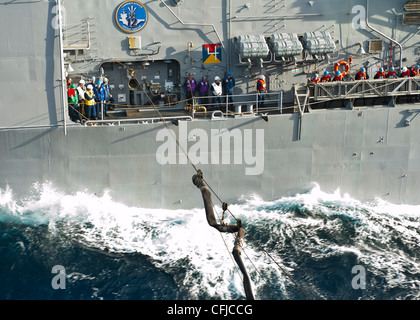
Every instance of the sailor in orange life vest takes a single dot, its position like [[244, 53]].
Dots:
[[361, 74], [261, 89], [380, 74], [326, 77], [405, 73], [316, 78], [392, 74], [338, 76], [415, 70]]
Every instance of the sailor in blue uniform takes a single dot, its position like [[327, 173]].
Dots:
[[229, 84], [107, 95], [98, 90]]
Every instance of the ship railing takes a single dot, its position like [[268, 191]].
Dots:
[[236, 104], [119, 122], [365, 88], [202, 107]]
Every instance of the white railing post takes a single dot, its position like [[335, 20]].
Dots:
[[256, 103], [63, 75], [102, 110]]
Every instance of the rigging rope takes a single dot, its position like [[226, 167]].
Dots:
[[217, 196], [275, 262], [261, 247]]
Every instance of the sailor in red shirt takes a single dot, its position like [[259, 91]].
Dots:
[[380, 74], [392, 74], [326, 77], [405, 73], [415, 71], [338, 76], [261, 89], [316, 78], [361, 74]]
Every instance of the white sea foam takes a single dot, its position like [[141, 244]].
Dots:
[[173, 236]]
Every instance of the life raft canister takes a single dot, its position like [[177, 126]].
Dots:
[[347, 66]]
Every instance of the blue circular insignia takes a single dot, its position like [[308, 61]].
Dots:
[[131, 16]]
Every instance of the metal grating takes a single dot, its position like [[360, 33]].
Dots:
[[375, 46], [411, 18], [413, 5]]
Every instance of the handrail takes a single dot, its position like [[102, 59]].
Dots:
[[31, 127], [119, 121], [250, 99], [213, 115], [62, 69], [365, 88]]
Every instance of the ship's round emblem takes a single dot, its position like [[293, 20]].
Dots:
[[131, 16]]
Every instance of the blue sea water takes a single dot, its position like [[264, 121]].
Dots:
[[321, 246]]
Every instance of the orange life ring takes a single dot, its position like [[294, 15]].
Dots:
[[342, 62]]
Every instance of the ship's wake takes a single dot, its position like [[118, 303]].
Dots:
[[111, 251]]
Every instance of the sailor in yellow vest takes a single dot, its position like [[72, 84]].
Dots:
[[261, 89], [90, 103]]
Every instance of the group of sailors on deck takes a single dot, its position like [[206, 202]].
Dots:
[[207, 92], [362, 74], [203, 89], [88, 100]]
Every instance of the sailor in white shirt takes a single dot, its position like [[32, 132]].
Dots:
[[81, 92], [216, 90]]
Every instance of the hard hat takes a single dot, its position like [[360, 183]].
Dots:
[[417, 66], [82, 81], [337, 73], [105, 79], [216, 78], [381, 69], [93, 78], [98, 83], [229, 73], [363, 69], [326, 73], [392, 69], [316, 75], [262, 77], [89, 87], [404, 69]]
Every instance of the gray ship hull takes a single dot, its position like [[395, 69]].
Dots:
[[366, 153]]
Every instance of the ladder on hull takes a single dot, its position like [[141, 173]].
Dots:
[[301, 94]]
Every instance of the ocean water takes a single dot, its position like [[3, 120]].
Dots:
[[320, 246]]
